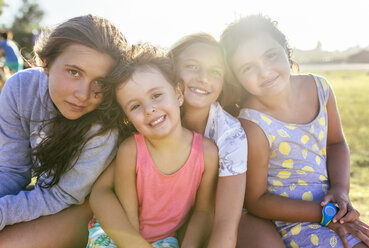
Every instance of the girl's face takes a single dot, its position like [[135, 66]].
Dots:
[[201, 70], [74, 76], [150, 102], [261, 65]]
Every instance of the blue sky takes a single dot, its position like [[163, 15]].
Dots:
[[337, 24]]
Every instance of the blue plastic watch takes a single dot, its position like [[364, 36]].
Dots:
[[329, 211]]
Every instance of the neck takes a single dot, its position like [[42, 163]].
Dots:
[[173, 141], [196, 119], [283, 101]]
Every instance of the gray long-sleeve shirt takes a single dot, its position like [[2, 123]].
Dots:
[[24, 102]]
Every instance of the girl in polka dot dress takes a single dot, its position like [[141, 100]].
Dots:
[[298, 159]]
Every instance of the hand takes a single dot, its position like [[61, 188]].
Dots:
[[346, 213], [357, 228]]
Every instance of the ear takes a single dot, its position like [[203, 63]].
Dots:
[[179, 95]]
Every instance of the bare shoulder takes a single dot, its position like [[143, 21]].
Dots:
[[305, 81], [128, 146], [210, 151], [209, 146], [304, 78], [127, 152], [255, 135]]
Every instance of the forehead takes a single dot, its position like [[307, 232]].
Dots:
[[258, 44], [202, 52], [255, 47], [142, 81], [86, 58], [78, 50]]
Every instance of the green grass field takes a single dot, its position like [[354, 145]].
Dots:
[[352, 95]]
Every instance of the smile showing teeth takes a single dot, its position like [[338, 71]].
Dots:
[[199, 91], [161, 119]]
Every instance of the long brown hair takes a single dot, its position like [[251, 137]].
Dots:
[[229, 93], [65, 139]]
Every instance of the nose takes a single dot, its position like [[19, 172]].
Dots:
[[203, 76], [82, 90], [150, 108], [263, 69]]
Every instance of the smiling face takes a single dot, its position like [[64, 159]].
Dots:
[[201, 70], [74, 76], [261, 65], [150, 102]]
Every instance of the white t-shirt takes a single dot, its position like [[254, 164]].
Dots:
[[228, 134]]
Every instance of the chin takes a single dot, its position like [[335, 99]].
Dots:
[[198, 103], [72, 117]]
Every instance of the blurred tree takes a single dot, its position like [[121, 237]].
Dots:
[[2, 4], [26, 24]]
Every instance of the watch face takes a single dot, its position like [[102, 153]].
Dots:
[[330, 211]]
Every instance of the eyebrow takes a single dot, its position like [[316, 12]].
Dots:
[[195, 60], [151, 90], [271, 49], [75, 67], [267, 51]]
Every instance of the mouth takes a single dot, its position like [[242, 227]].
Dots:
[[199, 91], [157, 121], [75, 107], [269, 82]]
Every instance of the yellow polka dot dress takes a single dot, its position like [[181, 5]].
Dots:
[[297, 169]]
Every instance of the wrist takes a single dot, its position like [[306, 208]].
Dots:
[[328, 212], [338, 187]]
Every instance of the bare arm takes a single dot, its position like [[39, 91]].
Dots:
[[338, 165], [202, 217], [126, 190], [108, 209], [228, 208], [262, 203]]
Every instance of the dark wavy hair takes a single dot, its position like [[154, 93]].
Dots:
[[65, 138], [140, 56], [247, 27], [229, 94]]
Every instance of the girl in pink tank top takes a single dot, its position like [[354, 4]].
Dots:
[[161, 172]]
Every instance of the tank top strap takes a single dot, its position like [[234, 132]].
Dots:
[[196, 158], [323, 89], [260, 119], [197, 142]]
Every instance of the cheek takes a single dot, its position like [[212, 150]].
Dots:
[[137, 120], [247, 82], [243, 79], [186, 77], [219, 83], [283, 64], [54, 89]]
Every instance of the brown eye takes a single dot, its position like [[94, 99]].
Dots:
[[156, 95], [74, 73], [192, 67]]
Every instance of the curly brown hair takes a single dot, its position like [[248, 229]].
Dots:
[[65, 140], [247, 27]]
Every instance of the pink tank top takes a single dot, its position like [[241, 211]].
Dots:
[[165, 200]]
